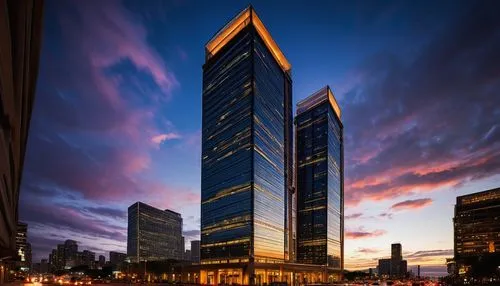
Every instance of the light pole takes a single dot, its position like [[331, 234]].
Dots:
[[145, 271]]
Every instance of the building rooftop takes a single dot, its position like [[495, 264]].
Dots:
[[238, 23], [320, 96], [488, 195]]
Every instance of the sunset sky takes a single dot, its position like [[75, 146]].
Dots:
[[117, 114]]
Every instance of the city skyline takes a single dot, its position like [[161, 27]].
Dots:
[[134, 130]]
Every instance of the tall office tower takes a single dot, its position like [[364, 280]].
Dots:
[[477, 232], [246, 148], [195, 251], [20, 43], [320, 180], [153, 234], [396, 259]]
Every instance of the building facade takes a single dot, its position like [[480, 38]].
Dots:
[[117, 258], [153, 234], [320, 180], [195, 251], [477, 232], [20, 44]]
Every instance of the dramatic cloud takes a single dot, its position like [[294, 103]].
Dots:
[[95, 126], [358, 234], [353, 216], [429, 121]]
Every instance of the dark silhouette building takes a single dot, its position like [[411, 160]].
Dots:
[[477, 233], [384, 267], [153, 234], [117, 258], [20, 43], [396, 260], [102, 260], [320, 180], [395, 266], [195, 251]]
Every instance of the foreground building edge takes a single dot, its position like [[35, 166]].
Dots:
[[20, 44]]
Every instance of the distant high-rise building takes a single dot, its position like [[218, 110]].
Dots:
[[60, 261], [23, 248], [102, 260], [70, 255], [53, 260], [20, 43], [88, 258], [477, 231], [153, 234], [44, 266], [320, 180], [395, 266], [384, 267], [183, 246], [187, 255], [117, 258], [396, 258], [195, 251]]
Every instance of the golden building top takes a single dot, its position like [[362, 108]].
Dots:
[[320, 96], [231, 29]]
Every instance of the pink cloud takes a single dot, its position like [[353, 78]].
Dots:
[[158, 139], [361, 233], [421, 177], [114, 35], [353, 216], [412, 204]]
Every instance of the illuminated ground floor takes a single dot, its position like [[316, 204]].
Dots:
[[260, 274]]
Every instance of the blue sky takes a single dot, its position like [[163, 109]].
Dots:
[[117, 116]]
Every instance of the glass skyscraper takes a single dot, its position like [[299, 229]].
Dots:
[[246, 164], [320, 180], [153, 234], [248, 201]]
